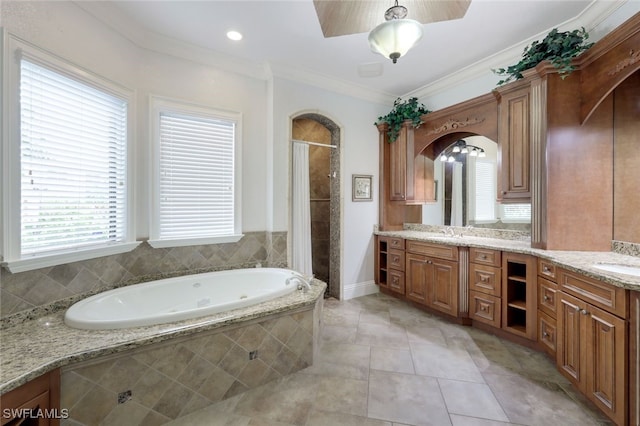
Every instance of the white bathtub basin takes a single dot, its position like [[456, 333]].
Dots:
[[619, 269]]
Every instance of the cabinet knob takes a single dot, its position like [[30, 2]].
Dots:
[[484, 256], [429, 262], [396, 259], [584, 312], [546, 298], [545, 334]]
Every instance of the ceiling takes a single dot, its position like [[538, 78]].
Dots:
[[286, 36]]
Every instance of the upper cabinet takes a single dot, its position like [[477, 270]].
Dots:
[[410, 179], [514, 177]]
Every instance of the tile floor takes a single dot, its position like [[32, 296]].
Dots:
[[383, 362]]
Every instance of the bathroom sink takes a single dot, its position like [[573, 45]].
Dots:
[[620, 269]]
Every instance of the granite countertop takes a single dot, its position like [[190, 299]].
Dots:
[[577, 261], [35, 347]]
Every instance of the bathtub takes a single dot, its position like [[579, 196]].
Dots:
[[180, 298]]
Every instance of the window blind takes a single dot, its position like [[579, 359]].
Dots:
[[73, 163], [485, 191], [196, 187], [516, 212]]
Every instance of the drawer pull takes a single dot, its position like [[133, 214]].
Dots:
[[396, 259], [395, 280], [484, 256], [394, 242], [545, 268], [546, 298], [545, 334], [584, 312]]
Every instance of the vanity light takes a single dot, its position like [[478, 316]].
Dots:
[[397, 35], [461, 147]]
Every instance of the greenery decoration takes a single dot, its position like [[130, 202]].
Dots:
[[557, 47], [401, 112]]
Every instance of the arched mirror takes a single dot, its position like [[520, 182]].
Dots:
[[466, 172]]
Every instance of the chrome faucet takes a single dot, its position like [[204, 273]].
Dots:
[[303, 283]]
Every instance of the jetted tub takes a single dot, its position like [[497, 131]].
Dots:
[[180, 298]]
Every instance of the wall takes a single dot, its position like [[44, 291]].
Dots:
[[65, 29], [359, 155]]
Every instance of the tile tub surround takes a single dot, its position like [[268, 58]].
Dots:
[[34, 347], [171, 379], [577, 261], [42, 291]]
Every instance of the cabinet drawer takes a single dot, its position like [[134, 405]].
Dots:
[[547, 269], [606, 296], [396, 281], [547, 297], [433, 250], [485, 308], [547, 332], [485, 256], [396, 243], [485, 279], [395, 259]]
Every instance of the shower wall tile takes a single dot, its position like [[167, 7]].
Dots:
[[23, 292], [172, 379]]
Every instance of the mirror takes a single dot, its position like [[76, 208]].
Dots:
[[466, 189]]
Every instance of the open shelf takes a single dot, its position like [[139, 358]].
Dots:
[[519, 293]]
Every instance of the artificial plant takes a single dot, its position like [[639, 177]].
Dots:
[[558, 47], [401, 112]]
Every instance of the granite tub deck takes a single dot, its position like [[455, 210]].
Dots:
[[34, 347], [577, 261]]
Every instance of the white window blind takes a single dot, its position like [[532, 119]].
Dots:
[[196, 182], [73, 163], [485, 191], [516, 212]]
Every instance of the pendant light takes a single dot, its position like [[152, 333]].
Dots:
[[394, 38]]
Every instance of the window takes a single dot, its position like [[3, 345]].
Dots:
[[516, 213], [196, 175], [68, 172], [485, 185]]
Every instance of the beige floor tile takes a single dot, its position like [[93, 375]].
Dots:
[[458, 420], [338, 334], [444, 362], [324, 418], [343, 395], [382, 335], [389, 359], [530, 402], [407, 399], [471, 399]]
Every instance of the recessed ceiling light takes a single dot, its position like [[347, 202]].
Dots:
[[234, 35]]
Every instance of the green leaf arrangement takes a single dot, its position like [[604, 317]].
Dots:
[[557, 47], [402, 111]]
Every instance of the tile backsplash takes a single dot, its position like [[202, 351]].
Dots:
[[25, 291]]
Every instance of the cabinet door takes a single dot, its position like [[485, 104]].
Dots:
[[607, 359], [570, 339], [443, 291], [513, 140], [418, 270], [398, 167]]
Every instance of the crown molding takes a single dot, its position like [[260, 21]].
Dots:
[[590, 18]]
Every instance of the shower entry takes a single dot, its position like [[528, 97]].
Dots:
[[315, 206]]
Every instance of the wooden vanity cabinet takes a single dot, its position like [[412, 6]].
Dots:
[[592, 341], [485, 286], [514, 184], [42, 393], [547, 306], [410, 179], [432, 276], [389, 264]]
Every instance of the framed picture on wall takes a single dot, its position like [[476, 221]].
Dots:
[[361, 188]]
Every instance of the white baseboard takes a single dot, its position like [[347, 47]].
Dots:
[[359, 289]]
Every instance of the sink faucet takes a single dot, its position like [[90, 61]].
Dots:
[[303, 282], [449, 231]]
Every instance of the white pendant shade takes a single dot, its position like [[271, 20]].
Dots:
[[393, 38]]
